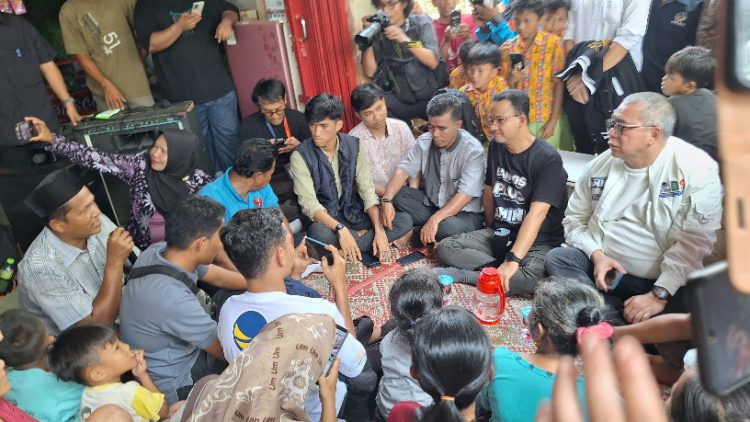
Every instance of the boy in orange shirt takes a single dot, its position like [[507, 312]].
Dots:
[[486, 81], [542, 57], [460, 75]]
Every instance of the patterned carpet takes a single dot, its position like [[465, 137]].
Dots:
[[368, 295]]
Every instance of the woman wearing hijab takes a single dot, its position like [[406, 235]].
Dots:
[[157, 180], [273, 376]]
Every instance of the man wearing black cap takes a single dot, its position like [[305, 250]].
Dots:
[[73, 271]]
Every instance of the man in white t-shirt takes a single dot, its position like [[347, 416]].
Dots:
[[644, 213], [260, 244]]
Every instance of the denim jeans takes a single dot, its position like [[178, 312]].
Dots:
[[221, 127]]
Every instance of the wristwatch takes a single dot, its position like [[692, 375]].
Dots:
[[661, 293], [69, 100], [510, 256], [338, 227]]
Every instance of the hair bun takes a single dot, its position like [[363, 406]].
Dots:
[[589, 316]]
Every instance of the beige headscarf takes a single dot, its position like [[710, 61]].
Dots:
[[271, 378]]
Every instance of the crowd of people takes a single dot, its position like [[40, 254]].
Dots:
[[198, 310]]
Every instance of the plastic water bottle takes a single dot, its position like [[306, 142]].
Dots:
[[6, 276], [489, 297], [446, 282]]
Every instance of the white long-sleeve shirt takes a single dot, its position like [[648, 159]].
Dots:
[[682, 211], [621, 21]]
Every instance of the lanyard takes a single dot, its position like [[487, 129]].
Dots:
[[273, 132]]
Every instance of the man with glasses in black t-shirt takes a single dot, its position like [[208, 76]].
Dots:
[[524, 200]]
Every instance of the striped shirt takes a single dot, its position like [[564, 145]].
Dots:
[[58, 282]]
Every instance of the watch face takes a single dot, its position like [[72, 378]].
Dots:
[[660, 293]]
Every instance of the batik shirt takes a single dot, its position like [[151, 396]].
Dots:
[[543, 59], [481, 101]]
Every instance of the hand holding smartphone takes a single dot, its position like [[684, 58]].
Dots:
[[338, 343], [515, 60], [25, 130], [613, 278], [197, 7]]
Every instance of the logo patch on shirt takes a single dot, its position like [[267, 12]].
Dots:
[[246, 327], [258, 201], [680, 19], [672, 188], [597, 187]]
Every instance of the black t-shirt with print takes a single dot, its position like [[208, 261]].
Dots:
[[194, 68], [517, 180]]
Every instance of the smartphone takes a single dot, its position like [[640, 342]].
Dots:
[[25, 130], [412, 257], [324, 253], [719, 318], [278, 143], [338, 343], [369, 260], [516, 58], [613, 278], [197, 7]]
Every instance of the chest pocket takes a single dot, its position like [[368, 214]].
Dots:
[[22, 71]]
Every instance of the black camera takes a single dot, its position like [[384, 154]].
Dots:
[[380, 21], [454, 19]]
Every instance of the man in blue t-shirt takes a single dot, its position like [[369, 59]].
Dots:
[[245, 185]]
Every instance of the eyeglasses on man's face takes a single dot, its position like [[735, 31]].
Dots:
[[500, 120], [619, 128]]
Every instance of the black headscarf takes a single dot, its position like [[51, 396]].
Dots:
[[169, 186]]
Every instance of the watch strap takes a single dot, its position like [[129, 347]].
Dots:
[[510, 256], [660, 293]]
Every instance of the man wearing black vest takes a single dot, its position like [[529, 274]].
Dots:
[[333, 182]]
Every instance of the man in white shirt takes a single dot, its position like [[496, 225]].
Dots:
[[259, 242], [643, 215], [622, 22]]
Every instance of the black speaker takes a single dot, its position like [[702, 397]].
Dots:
[[134, 132], [129, 132]]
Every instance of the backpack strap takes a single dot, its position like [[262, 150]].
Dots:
[[171, 272]]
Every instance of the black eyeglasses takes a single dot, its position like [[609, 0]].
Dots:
[[620, 127]]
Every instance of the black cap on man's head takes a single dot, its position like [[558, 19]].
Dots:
[[53, 191]]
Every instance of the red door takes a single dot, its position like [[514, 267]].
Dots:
[[324, 50]]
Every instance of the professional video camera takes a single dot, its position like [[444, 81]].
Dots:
[[380, 21]]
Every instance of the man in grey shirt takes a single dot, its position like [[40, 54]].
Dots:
[[162, 315], [451, 162]]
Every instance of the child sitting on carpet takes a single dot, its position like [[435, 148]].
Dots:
[[24, 349], [451, 360], [561, 312], [415, 294], [93, 355]]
